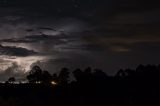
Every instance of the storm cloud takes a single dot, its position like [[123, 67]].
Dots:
[[106, 34]]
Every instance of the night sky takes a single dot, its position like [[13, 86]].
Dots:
[[105, 34]]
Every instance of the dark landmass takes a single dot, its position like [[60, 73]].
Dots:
[[128, 87]]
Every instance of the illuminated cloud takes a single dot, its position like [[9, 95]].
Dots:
[[14, 70]]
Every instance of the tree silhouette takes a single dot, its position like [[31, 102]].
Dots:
[[98, 74], [87, 74], [55, 77], [11, 80], [78, 74], [63, 76], [46, 77], [128, 87], [35, 74], [121, 73]]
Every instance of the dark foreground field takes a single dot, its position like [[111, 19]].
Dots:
[[128, 87]]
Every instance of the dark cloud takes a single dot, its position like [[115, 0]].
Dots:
[[108, 34], [15, 51], [33, 39]]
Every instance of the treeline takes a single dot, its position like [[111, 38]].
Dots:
[[90, 87]]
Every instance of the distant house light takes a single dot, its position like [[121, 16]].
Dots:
[[53, 83], [38, 82]]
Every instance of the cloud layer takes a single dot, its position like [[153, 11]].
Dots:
[[107, 34]]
